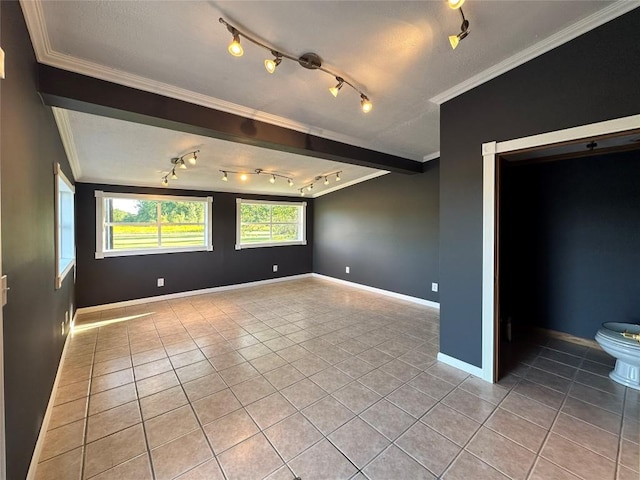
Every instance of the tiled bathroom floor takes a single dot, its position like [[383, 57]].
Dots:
[[307, 378]]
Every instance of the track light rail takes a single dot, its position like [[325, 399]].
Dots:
[[308, 60]]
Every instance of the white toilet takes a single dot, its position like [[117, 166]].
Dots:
[[622, 341]]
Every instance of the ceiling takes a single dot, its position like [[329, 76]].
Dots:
[[395, 51]]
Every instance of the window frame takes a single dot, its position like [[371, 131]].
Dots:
[[59, 176], [102, 196], [302, 224]]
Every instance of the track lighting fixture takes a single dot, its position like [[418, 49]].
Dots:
[[235, 48], [181, 163], [271, 65], [455, 4], [454, 40], [258, 171], [309, 186], [366, 104], [335, 90], [310, 60]]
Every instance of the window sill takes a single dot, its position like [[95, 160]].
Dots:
[[243, 246], [60, 278]]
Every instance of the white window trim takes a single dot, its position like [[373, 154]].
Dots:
[[303, 224], [59, 175], [100, 222]]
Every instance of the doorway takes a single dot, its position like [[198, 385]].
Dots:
[[548, 145]]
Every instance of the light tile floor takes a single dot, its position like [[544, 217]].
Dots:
[[306, 378]]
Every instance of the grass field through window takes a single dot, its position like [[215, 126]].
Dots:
[[132, 237]]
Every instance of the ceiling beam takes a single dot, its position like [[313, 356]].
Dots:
[[72, 91]]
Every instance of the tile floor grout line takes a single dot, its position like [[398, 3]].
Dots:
[[190, 403], [142, 420], [83, 461], [621, 439]]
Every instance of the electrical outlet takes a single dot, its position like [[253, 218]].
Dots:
[[347, 270], [275, 268], [434, 287], [161, 282]]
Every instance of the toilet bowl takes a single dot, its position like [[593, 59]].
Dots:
[[626, 350]]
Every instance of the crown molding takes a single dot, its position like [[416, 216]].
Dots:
[[352, 182], [66, 135], [594, 20], [34, 16]]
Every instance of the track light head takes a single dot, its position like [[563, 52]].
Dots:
[[310, 187], [272, 179], [235, 48], [302, 192], [165, 182], [326, 181], [335, 90], [454, 40], [455, 4], [193, 157], [271, 65], [338, 176], [225, 177], [173, 174], [365, 103], [243, 177], [290, 182]]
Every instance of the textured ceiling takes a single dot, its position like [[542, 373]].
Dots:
[[396, 51], [129, 153]]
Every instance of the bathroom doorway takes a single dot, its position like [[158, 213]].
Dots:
[[568, 244], [507, 160]]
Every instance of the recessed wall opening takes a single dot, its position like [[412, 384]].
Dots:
[[568, 246], [561, 248]]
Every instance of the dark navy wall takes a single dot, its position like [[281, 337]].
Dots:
[[385, 230], [33, 342], [590, 79], [571, 237], [115, 279]]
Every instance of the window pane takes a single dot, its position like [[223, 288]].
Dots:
[[285, 233], [130, 210], [285, 213], [255, 213], [182, 212], [130, 237], [182, 235], [254, 233]]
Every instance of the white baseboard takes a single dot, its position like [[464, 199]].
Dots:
[[399, 296], [190, 293], [460, 365], [31, 474]]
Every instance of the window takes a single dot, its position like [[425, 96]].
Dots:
[[270, 224], [65, 226], [134, 224]]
